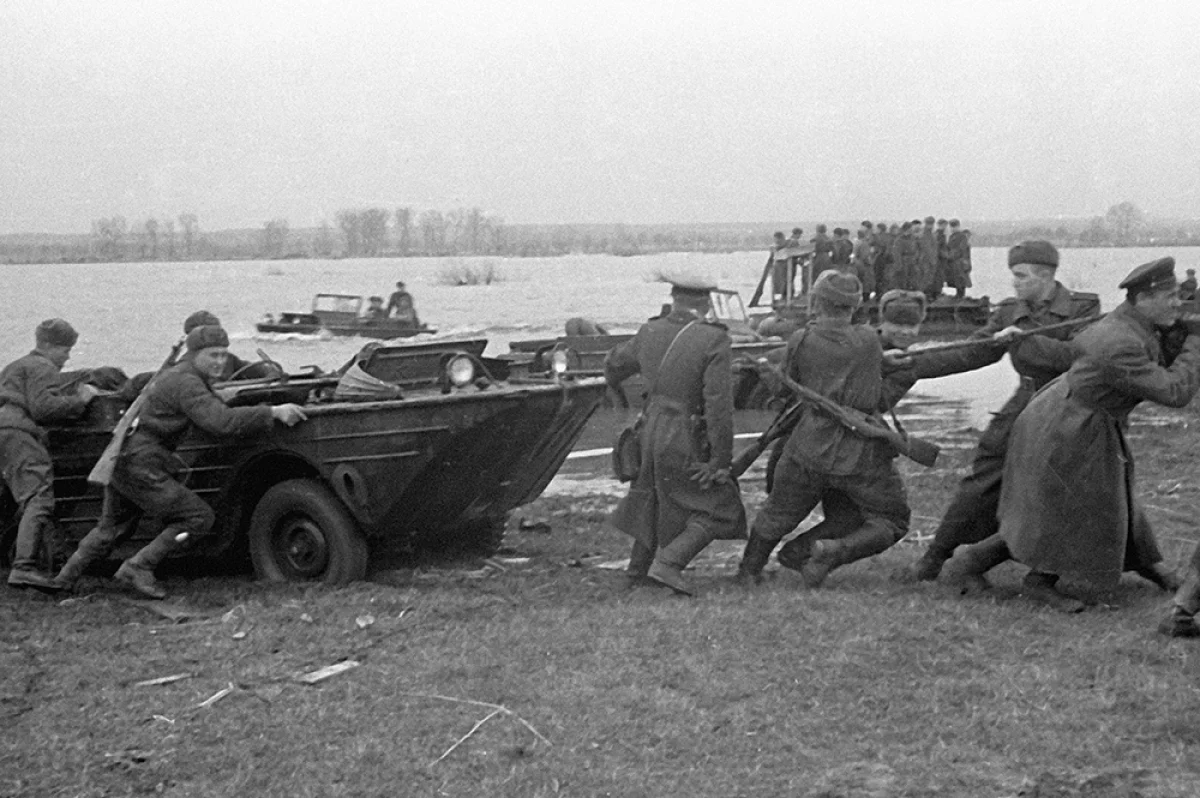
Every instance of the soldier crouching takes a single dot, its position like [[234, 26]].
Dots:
[[145, 479], [822, 458]]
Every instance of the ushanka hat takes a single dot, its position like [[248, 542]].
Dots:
[[902, 307], [1040, 253], [201, 318], [55, 332], [206, 336], [1156, 275], [838, 288]]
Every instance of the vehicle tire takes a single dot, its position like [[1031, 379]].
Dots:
[[301, 532]]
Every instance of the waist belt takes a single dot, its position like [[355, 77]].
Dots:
[[668, 405], [145, 436]]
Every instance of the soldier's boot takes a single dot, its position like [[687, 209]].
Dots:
[[1041, 586], [138, 571], [640, 558], [754, 559], [795, 552], [977, 560], [1161, 575], [68, 575], [925, 569], [671, 559], [830, 554], [1179, 623], [28, 577]]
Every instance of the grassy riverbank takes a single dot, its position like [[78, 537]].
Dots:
[[863, 688]]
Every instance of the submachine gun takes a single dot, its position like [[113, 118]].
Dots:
[[856, 421]]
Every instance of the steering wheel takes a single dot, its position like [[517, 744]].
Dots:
[[263, 358]]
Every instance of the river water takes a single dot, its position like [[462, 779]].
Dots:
[[129, 314]]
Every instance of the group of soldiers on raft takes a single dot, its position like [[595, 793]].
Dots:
[[924, 256], [1051, 479]]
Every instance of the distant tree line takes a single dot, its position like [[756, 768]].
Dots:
[[405, 232], [1124, 225]]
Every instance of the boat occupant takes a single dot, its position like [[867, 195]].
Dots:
[[401, 307]]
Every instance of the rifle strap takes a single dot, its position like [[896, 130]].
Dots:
[[650, 385]]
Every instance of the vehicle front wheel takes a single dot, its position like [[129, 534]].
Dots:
[[301, 532]]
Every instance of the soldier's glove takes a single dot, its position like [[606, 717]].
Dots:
[[707, 474]]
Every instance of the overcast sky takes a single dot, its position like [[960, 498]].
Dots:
[[636, 112]]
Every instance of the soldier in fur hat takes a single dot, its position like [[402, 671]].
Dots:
[[842, 361], [146, 477], [32, 394]]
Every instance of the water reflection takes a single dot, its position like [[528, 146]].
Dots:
[[984, 391]]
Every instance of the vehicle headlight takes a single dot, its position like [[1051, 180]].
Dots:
[[559, 362], [460, 370], [563, 360]]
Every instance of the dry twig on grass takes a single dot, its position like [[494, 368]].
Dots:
[[464, 738], [497, 709]]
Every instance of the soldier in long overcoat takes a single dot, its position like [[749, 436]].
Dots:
[[32, 394], [683, 497], [958, 259], [822, 252], [881, 247], [904, 268], [1040, 301], [928, 260], [1067, 504]]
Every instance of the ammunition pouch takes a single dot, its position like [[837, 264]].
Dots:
[[627, 451]]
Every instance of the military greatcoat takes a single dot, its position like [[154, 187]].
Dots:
[[971, 516], [1067, 503], [958, 260], [688, 419]]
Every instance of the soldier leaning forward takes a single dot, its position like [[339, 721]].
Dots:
[[683, 497], [901, 314], [1040, 301], [842, 361], [32, 394], [1067, 504], [145, 479]]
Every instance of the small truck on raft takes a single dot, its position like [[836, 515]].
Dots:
[[753, 336], [407, 446]]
